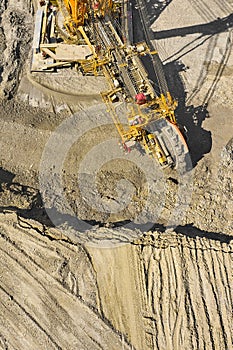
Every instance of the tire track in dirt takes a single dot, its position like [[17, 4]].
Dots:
[[213, 40], [30, 321], [177, 299], [217, 273], [225, 268], [225, 282], [224, 7], [205, 68], [183, 287], [219, 72], [187, 308], [63, 254], [201, 329], [222, 316], [17, 269], [165, 296], [13, 255], [201, 301], [151, 270], [188, 296], [203, 10], [46, 302]]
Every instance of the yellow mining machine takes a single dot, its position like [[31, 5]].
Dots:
[[93, 36]]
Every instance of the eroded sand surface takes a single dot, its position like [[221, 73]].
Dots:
[[165, 291], [112, 287]]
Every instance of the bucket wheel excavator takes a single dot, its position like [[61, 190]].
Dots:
[[95, 36]]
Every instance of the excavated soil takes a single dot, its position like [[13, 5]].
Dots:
[[152, 266], [165, 291]]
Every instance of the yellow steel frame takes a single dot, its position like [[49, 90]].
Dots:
[[75, 12]]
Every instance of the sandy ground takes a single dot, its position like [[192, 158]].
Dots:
[[62, 289], [166, 291]]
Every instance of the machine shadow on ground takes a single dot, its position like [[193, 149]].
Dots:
[[199, 140], [215, 27], [189, 118]]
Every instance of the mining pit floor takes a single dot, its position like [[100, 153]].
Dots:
[[82, 276]]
